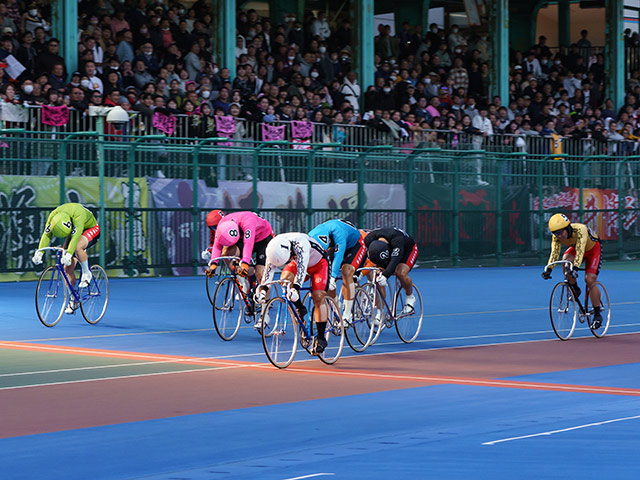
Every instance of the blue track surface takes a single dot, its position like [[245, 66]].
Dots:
[[423, 432]]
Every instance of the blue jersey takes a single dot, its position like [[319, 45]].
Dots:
[[339, 234]]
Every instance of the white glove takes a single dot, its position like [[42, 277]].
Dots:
[[37, 258], [332, 283], [293, 294], [206, 255], [261, 296], [66, 259], [381, 280]]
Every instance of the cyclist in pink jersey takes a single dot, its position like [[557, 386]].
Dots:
[[241, 234]]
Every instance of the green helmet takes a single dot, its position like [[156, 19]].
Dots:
[[61, 225]]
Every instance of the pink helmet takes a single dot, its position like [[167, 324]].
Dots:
[[228, 233]]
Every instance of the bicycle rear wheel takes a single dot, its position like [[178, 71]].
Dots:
[[279, 332], [95, 297], [333, 334], [605, 311], [408, 324], [360, 333], [378, 317], [51, 296], [228, 309], [563, 311]]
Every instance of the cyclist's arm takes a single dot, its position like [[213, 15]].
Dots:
[[212, 238], [556, 248], [46, 234], [216, 250], [582, 235], [397, 248], [302, 250], [82, 219], [269, 272], [250, 228], [340, 242]]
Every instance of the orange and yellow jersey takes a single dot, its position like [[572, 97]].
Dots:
[[582, 238]]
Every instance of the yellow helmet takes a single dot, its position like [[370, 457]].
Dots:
[[558, 222]]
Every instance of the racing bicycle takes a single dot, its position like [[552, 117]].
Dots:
[[54, 289], [282, 329], [565, 308]]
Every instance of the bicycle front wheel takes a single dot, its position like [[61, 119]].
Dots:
[[605, 311], [408, 319], [95, 297], [360, 332], [333, 334], [228, 309], [212, 283], [563, 311], [279, 332], [51, 296]]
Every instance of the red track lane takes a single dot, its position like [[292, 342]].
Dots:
[[49, 408]]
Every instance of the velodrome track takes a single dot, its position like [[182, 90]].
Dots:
[[487, 391]]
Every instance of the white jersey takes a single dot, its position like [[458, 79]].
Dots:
[[307, 252]]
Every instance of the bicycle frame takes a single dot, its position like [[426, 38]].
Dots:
[[304, 330], [391, 313], [60, 268], [233, 275], [583, 309]]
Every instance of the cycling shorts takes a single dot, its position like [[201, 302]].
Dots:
[[592, 259], [319, 274], [259, 248], [92, 235], [356, 255]]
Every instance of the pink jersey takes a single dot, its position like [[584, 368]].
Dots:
[[253, 228]]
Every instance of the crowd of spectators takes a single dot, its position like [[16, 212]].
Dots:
[[157, 55]]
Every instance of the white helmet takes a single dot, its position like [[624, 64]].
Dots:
[[279, 250]]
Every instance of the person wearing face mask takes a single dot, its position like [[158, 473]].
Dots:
[[149, 59], [434, 37], [33, 20], [26, 96], [296, 35], [455, 38], [385, 98]]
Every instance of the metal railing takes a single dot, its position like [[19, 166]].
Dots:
[[464, 207], [350, 137]]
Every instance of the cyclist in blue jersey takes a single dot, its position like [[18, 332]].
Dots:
[[345, 245]]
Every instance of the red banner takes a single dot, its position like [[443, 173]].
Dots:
[[605, 224], [55, 116]]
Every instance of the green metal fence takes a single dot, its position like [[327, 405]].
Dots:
[[151, 197]]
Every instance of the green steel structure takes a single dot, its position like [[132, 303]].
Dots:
[[463, 207]]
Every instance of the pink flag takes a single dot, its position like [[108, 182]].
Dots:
[[301, 129], [271, 133], [226, 125], [433, 111], [55, 116], [164, 123]]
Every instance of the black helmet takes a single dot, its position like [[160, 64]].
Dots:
[[379, 252]]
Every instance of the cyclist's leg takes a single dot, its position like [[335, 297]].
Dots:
[[404, 267], [592, 261], [354, 258], [88, 239], [319, 274]]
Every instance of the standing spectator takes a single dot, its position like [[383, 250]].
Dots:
[[584, 45], [91, 72], [533, 65], [118, 23], [320, 26], [149, 59], [141, 75], [124, 52], [32, 19], [459, 74], [351, 90], [455, 38], [47, 59], [192, 62], [482, 123]]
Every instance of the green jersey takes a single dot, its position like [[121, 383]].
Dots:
[[81, 218]]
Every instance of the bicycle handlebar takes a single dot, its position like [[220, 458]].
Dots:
[[563, 261], [58, 249]]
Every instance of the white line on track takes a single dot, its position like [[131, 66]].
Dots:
[[552, 432], [311, 475]]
